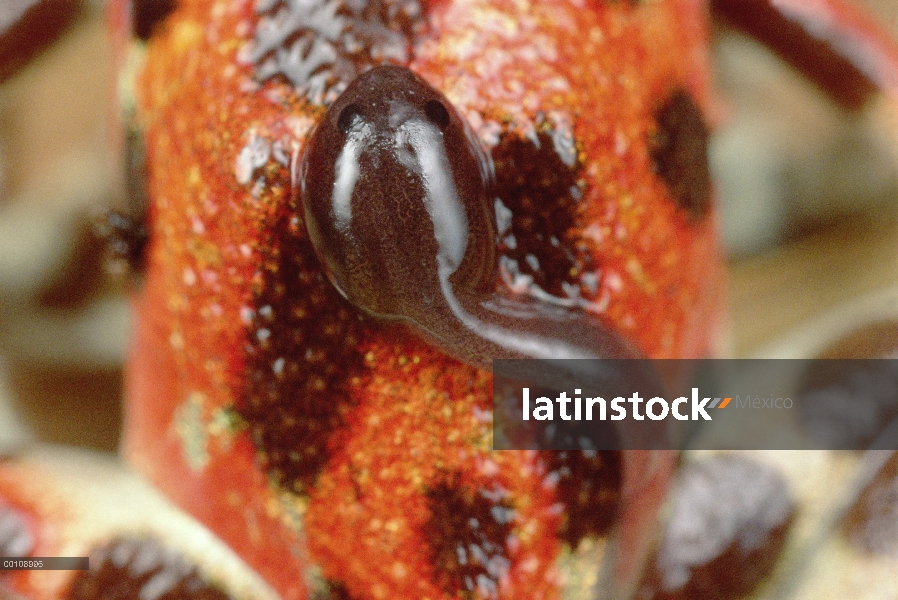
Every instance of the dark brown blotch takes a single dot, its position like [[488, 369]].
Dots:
[[729, 518], [589, 484], [679, 150], [138, 569], [301, 355], [539, 180], [148, 14], [467, 532], [320, 47]]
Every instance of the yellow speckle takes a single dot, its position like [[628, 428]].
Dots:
[[189, 427], [226, 421], [186, 35], [176, 339], [634, 268], [399, 570], [272, 508], [193, 175], [206, 253]]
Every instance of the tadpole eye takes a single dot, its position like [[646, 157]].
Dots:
[[348, 117], [437, 113]]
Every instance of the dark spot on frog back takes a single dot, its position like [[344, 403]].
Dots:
[[679, 150], [320, 47], [138, 568], [539, 180], [148, 14], [589, 485], [468, 532]]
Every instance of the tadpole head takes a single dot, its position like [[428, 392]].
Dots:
[[394, 189]]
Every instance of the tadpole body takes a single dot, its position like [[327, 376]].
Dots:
[[396, 192]]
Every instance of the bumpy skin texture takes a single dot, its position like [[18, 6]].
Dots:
[[302, 434]]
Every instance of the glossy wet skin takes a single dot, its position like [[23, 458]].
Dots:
[[396, 195]]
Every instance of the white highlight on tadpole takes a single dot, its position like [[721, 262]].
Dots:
[[347, 174], [450, 223]]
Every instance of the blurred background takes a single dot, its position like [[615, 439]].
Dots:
[[63, 323], [808, 190]]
